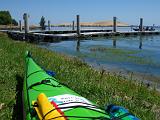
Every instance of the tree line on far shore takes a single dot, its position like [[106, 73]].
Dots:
[[6, 18]]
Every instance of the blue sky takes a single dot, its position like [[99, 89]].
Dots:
[[60, 11]]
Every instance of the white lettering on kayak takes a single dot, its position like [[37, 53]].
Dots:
[[68, 101]]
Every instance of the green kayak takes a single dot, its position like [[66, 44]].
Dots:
[[45, 98]]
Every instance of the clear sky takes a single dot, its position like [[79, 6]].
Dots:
[[60, 11]]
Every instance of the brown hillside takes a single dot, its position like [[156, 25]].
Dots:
[[99, 23]]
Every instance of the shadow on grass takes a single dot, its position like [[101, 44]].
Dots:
[[18, 107]]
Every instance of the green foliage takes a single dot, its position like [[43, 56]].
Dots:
[[5, 18], [42, 23], [14, 22]]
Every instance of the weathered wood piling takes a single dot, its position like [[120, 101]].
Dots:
[[20, 25], [114, 24], [49, 25], [26, 23], [73, 25], [78, 25], [26, 26], [141, 24]]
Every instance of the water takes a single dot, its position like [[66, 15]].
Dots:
[[139, 54], [120, 29]]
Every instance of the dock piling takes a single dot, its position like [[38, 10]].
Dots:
[[20, 25], [26, 24], [141, 24], [73, 25], [78, 25], [114, 24], [49, 25]]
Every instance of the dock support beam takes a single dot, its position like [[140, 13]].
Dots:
[[141, 24], [73, 25], [26, 25], [49, 25], [20, 25], [78, 25], [114, 24]]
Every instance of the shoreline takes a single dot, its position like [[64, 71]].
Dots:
[[150, 81]]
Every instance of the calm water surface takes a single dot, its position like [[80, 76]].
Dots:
[[126, 29], [137, 54]]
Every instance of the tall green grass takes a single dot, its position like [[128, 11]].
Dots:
[[98, 86]]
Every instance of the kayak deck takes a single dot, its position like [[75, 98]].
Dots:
[[45, 98], [74, 106]]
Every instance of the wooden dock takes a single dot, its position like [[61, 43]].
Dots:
[[51, 36]]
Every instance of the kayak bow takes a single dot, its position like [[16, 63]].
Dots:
[[45, 98]]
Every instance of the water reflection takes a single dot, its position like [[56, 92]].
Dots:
[[140, 42], [114, 42], [78, 45], [137, 54]]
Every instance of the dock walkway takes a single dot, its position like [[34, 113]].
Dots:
[[47, 36]]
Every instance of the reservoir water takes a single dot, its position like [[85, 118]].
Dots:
[[120, 29], [136, 55]]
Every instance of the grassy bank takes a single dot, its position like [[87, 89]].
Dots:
[[98, 86]]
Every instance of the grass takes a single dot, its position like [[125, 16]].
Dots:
[[98, 86]]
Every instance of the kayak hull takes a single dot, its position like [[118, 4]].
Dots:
[[37, 81]]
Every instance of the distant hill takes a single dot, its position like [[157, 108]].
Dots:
[[109, 23], [99, 23]]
